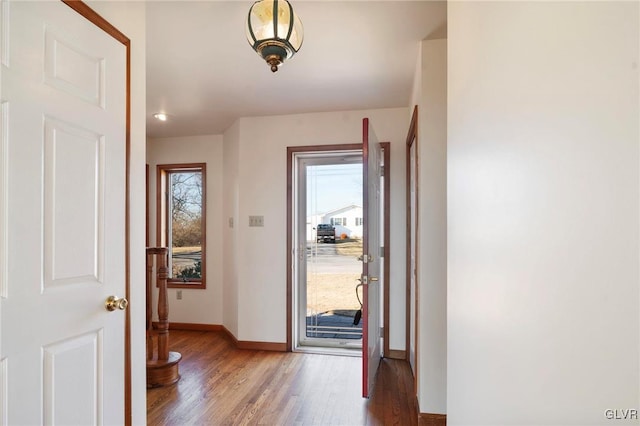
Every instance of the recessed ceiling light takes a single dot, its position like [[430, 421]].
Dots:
[[161, 116]]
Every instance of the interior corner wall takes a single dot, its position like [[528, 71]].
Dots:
[[130, 19], [262, 190], [198, 306], [543, 224], [231, 223], [416, 90], [432, 227]]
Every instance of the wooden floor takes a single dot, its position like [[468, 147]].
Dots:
[[221, 385]]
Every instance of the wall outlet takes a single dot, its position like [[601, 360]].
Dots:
[[230, 222], [256, 220], [179, 294]]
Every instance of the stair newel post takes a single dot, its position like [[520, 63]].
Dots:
[[162, 367], [150, 256], [163, 306]]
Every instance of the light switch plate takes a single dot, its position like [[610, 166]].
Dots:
[[256, 220]]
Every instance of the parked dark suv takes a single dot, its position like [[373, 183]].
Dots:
[[326, 232]]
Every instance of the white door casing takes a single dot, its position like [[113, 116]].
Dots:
[[63, 95]]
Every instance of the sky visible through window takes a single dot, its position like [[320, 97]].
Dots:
[[330, 187]]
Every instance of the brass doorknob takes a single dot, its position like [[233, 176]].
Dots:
[[115, 302]]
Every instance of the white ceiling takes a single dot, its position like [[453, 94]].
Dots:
[[356, 55]]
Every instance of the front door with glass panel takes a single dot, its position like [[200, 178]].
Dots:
[[329, 219]]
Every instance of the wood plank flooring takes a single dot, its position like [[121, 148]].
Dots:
[[221, 385]]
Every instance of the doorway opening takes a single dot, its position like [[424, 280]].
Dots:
[[297, 249], [328, 237]]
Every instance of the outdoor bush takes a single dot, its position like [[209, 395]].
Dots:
[[186, 232], [194, 271]]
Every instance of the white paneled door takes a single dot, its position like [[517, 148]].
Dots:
[[371, 259], [62, 251]]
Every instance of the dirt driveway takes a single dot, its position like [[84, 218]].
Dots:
[[332, 274], [325, 259]]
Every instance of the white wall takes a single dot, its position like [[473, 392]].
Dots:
[[543, 212], [261, 277], [231, 206], [199, 306], [129, 18], [430, 94], [432, 228]]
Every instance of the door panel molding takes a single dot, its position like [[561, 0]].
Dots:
[[71, 70], [4, 392], [4, 33], [4, 202], [85, 397], [74, 158]]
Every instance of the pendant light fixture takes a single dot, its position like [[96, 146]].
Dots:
[[274, 31]]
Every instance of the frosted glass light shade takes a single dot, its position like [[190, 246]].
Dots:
[[274, 31]]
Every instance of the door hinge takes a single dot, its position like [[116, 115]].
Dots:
[[382, 251], [381, 170], [382, 331]]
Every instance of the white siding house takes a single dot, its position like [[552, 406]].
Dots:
[[347, 220], [312, 222]]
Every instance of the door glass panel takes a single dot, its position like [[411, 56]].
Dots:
[[333, 245]]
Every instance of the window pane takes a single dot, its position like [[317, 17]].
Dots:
[[185, 233]]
